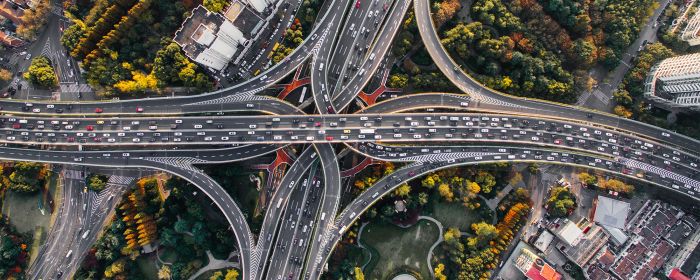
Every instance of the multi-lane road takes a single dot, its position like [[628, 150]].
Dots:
[[303, 220]]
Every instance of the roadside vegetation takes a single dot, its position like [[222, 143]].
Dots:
[[23, 177], [125, 46], [41, 73], [474, 235], [540, 48], [179, 226], [415, 71], [97, 182], [14, 257]]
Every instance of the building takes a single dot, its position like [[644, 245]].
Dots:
[[569, 233], [691, 33], [587, 245], [611, 212], [543, 241], [674, 83], [209, 39], [677, 275], [534, 267]]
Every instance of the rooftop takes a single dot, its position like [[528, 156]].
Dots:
[[570, 233], [611, 212]]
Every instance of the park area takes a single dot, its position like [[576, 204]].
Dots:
[[396, 248], [455, 215]]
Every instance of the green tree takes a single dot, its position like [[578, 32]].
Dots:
[[585, 53], [398, 81], [97, 182], [561, 202], [484, 232], [422, 199], [27, 176], [485, 180], [41, 73], [215, 5], [587, 179]]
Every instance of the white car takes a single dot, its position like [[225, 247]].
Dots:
[[36, 110], [665, 134]]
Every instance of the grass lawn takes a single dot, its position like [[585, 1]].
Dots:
[[399, 247], [23, 209], [167, 255], [455, 215], [147, 265], [357, 255]]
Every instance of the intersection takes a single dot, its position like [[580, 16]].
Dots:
[[479, 126]]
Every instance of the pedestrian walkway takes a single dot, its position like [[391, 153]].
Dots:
[[215, 264], [120, 180]]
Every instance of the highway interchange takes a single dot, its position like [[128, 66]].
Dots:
[[303, 222]]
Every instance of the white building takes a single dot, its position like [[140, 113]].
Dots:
[[209, 39], [675, 82], [691, 33], [259, 5]]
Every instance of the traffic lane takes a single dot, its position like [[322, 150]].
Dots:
[[354, 52], [280, 198], [386, 36], [294, 122], [515, 131], [291, 233], [354, 23], [629, 167], [329, 203]]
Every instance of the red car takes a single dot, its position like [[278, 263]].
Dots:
[[139, 109], [357, 5], [98, 110], [71, 139], [89, 128], [16, 126], [329, 138], [317, 124]]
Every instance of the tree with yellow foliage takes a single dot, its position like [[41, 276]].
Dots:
[[446, 192], [139, 82], [438, 272], [403, 190], [359, 275], [231, 274]]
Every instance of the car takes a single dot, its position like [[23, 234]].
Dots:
[[89, 128], [36, 110], [98, 110], [357, 5], [665, 134], [29, 55], [329, 138], [139, 109]]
